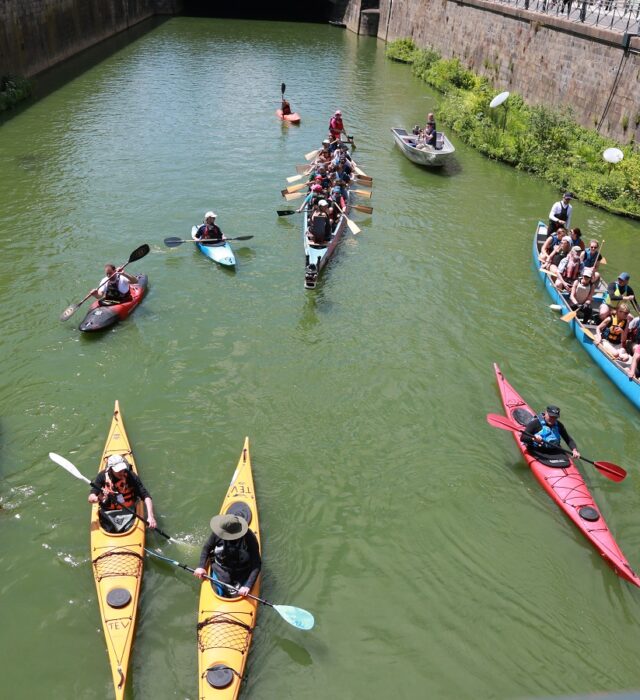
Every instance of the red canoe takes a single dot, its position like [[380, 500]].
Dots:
[[567, 488], [294, 117], [101, 317]]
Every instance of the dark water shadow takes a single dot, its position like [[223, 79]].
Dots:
[[296, 652], [315, 305], [60, 74], [246, 254]]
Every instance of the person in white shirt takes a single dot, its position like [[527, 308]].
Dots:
[[115, 285], [560, 214]]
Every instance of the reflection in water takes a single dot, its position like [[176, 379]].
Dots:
[[296, 652]]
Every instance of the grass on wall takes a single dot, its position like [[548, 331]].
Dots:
[[547, 143], [13, 90]]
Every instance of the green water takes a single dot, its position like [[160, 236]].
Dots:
[[435, 564]]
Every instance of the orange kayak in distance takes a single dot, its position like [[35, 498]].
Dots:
[[294, 117]]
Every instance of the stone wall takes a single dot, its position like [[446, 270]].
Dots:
[[36, 34], [547, 59]]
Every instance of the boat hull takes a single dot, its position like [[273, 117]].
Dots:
[[101, 317], [225, 625], [316, 257], [293, 118], [117, 563], [614, 369], [427, 155], [567, 488], [221, 253]]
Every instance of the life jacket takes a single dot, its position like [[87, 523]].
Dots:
[[583, 291], [210, 234], [320, 227], [123, 493], [335, 125], [614, 332], [620, 291], [231, 555], [550, 434], [113, 293], [590, 259]]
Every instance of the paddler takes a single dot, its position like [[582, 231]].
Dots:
[[286, 107], [545, 432], [612, 332], [617, 292], [209, 231], [117, 488], [560, 214], [336, 126], [233, 553], [114, 286]]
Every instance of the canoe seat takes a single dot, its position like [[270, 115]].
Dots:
[[522, 416]]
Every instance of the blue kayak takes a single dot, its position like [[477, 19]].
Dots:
[[218, 252]]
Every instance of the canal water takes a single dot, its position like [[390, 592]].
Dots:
[[435, 564]]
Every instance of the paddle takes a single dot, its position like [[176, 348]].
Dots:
[[362, 193], [288, 212], [73, 470], [137, 254], [353, 227], [283, 87], [304, 169], [295, 188], [358, 207], [294, 195], [297, 617], [312, 154], [609, 469], [174, 241], [360, 172]]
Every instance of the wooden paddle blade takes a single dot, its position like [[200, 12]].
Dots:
[[294, 195], [362, 193], [549, 272], [68, 312], [569, 317], [294, 178], [286, 212], [295, 188], [363, 208], [613, 471], [173, 241], [360, 171], [312, 154], [363, 182], [303, 169], [353, 227]]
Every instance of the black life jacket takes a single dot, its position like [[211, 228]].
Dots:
[[123, 493], [320, 227], [112, 292], [231, 555]]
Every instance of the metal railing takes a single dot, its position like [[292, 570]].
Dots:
[[618, 15]]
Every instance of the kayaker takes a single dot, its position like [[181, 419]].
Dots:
[[233, 553], [209, 231], [286, 107], [114, 286], [119, 487], [560, 214], [336, 126], [612, 332], [545, 432], [617, 292], [582, 295]]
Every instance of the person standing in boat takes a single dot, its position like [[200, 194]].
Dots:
[[114, 287], [616, 292], [336, 126], [560, 214], [544, 433], [117, 488], [209, 231], [233, 553]]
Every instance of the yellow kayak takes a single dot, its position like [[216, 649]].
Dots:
[[117, 568], [225, 625]]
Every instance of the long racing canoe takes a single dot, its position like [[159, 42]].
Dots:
[[225, 625], [561, 479], [613, 368], [117, 562]]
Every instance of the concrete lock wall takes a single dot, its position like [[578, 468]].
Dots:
[[36, 34], [547, 59]]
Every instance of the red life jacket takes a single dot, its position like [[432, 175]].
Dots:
[[335, 126], [121, 487]]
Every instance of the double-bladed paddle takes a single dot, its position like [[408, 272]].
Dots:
[[174, 241], [74, 471], [298, 617], [609, 469], [135, 255]]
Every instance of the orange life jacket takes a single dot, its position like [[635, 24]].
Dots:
[[120, 488]]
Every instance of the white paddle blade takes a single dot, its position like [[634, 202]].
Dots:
[[353, 227], [66, 464], [312, 154], [294, 178], [302, 619]]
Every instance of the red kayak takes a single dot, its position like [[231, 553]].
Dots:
[[100, 317], [294, 117], [566, 486]]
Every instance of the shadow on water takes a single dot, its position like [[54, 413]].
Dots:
[[296, 652], [57, 76]]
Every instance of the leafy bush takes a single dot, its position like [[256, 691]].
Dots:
[[533, 138], [13, 89]]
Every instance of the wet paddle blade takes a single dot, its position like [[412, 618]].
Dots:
[[568, 317], [613, 471], [283, 87], [295, 188], [68, 312], [173, 242], [286, 212], [302, 619], [66, 464], [294, 195], [353, 227], [294, 178], [363, 208], [362, 193], [139, 253], [303, 169], [312, 154]]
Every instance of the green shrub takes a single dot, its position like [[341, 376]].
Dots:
[[402, 50], [13, 89]]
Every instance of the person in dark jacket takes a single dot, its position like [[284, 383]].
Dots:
[[116, 489], [545, 432], [233, 554], [209, 231]]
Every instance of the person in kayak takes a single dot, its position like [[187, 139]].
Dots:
[[285, 107], [560, 214], [117, 488], [114, 286], [233, 553], [612, 332], [336, 126], [616, 292], [209, 231], [545, 432]]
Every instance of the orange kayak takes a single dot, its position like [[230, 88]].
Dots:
[[294, 117]]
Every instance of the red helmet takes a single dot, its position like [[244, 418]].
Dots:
[[316, 188]]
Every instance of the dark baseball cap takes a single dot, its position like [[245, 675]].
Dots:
[[553, 411]]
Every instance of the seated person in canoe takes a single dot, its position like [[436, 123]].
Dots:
[[285, 107], [233, 553], [114, 286], [612, 332], [576, 238], [312, 199], [325, 154], [633, 342], [209, 231], [560, 214], [553, 240], [336, 126], [557, 255], [590, 257], [337, 196], [118, 488], [568, 270], [582, 295], [319, 224], [617, 292], [545, 432]]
